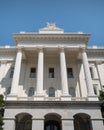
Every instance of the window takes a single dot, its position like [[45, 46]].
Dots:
[[69, 72], [72, 91], [91, 72], [33, 73], [51, 72], [8, 90], [51, 92], [11, 72], [95, 89], [31, 91]]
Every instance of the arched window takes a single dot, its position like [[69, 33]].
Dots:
[[72, 91], [23, 121], [31, 91], [51, 92], [52, 122], [82, 121]]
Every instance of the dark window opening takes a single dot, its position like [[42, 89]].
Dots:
[[91, 72], [69, 72], [33, 73], [11, 72], [23, 121], [52, 122], [82, 121], [51, 72]]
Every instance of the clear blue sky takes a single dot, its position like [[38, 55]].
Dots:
[[71, 15]]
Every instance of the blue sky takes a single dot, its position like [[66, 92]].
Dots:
[[71, 15]]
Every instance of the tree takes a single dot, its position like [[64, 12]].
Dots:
[[2, 105], [101, 98]]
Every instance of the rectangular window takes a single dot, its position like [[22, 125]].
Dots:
[[91, 72], [51, 73], [11, 72], [69, 72], [32, 72], [95, 89]]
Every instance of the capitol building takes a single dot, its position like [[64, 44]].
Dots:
[[51, 80]]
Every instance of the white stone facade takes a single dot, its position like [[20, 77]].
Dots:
[[51, 78]]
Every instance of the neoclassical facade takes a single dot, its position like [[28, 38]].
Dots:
[[51, 81]]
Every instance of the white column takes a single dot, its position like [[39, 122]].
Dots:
[[15, 81], [39, 90], [64, 82], [2, 72], [87, 74]]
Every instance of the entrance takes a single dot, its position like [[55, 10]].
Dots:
[[23, 121], [52, 122], [82, 122]]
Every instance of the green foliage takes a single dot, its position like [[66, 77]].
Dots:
[[101, 98], [2, 105]]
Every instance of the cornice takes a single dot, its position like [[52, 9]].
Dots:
[[51, 37], [9, 49], [97, 50], [52, 104]]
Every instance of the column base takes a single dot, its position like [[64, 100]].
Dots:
[[11, 97], [93, 98], [39, 97], [65, 97]]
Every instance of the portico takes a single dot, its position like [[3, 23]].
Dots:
[[60, 56]]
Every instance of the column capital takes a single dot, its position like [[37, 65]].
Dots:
[[83, 49], [19, 49], [40, 49], [61, 48]]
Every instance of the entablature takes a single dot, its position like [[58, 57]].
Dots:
[[51, 38]]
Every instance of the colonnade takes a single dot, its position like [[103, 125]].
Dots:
[[40, 72]]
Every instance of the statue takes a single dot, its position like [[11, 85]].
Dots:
[[51, 25]]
